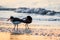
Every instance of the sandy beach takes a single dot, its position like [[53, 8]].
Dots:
[[8, 36], [44, 21], [38, 32]]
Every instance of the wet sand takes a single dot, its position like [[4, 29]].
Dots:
[[8, 36], [39, 32]]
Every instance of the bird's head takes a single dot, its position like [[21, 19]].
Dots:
[[11, 17]]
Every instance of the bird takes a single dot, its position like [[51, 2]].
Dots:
[[17, 21], [27, 21]]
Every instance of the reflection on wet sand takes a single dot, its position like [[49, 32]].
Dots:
[[39, 32], [37, 36], [32, 37]]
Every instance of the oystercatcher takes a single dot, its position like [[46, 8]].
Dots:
[[15, 21], [27, 20]]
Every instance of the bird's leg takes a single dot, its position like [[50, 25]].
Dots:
[[27, 26], [17, 27], [14, 26]]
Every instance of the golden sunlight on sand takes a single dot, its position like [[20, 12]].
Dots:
[[40, 32], [8, 36]]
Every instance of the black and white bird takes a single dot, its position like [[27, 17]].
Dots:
[[17, 21], [27, 21]]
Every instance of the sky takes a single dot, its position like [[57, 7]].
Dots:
[[48, 4]]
